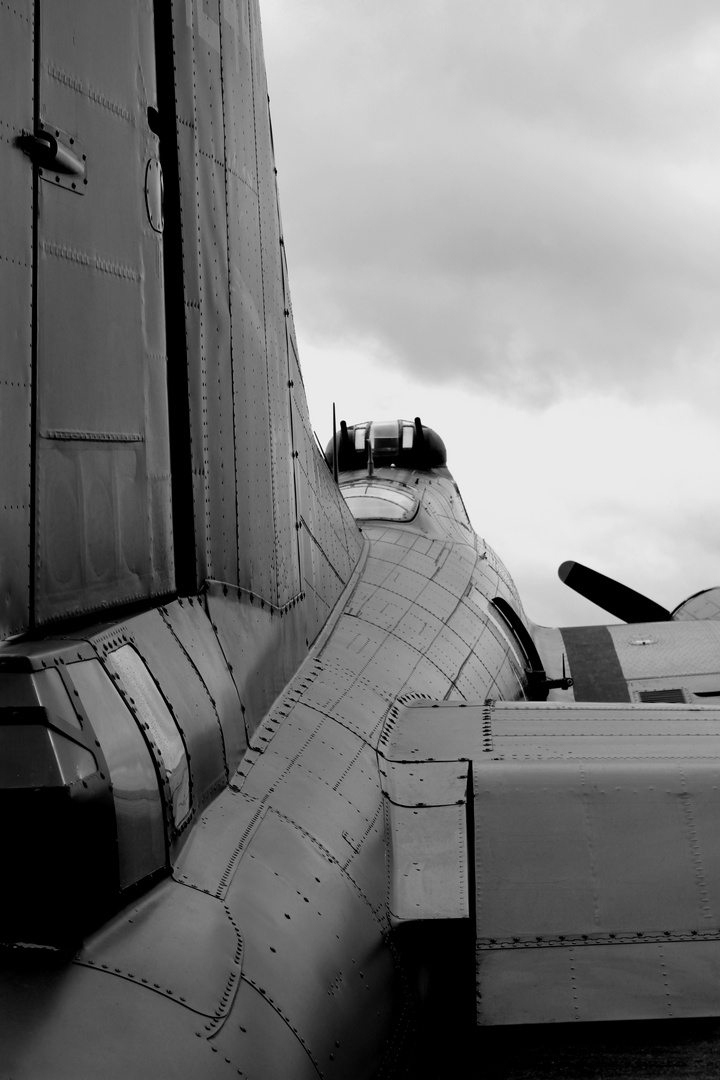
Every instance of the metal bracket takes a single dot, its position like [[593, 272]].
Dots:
[[58, 157]]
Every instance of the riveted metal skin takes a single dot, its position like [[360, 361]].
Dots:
[[144, 1033], [426, 806], [16, 289], [188, 698], [59, 157], [263, 646], [102, 486], [154, 943], [244, 784], [55, 791], [292, 855], [139, 813], [595, 828], [197, 639], [292, 889], [609, 838], [256, 473], [178, 657]]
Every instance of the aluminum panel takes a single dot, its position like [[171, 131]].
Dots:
[[215, 424], [454, 576], [234, 276], [178, 941], [252, 409], [391, 665], [288, 729], [191, 626], [217, 392], [367, 866], [198, 92], [470, 618], [442, 731], [306, 736], [352, 644], [102, 1025], [276, 338], [16, 230], [136, 794], [236, 32], [702, 605], [448, 652], [437, 783], [150, 708], [196, 385], [597, 851], [377, 570], [318, 584], [638, 981], [381, 668], [362, 709], [537, 731], [362, 594], [187, 696], [210, 857], [263, 646], [277, 313], [307, 753], [383, 610], [596, 848], [649, 650], [428, 863], [303, 907], [330, 542], [245, 284], [281, 1050], [103, 515], [604, 846], [442, 599], [706, 686], [489, 672], [93, 530], [333, 821]]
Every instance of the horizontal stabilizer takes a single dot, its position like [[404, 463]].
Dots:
[[590, 863]]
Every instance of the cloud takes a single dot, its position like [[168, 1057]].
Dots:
[[523, 196], [504, 217], [627, 488]]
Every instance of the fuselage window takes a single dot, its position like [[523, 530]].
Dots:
[[384, 502]]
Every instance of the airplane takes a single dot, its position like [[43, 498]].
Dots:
[[291, 785]]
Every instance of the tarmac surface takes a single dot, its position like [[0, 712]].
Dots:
[[604, 1051], [631, 1050]]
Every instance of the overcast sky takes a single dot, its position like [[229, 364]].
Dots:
[[504, 216]]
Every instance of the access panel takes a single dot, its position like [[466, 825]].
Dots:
[[102, 476]]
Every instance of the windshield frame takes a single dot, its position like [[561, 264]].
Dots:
[[402, 498]]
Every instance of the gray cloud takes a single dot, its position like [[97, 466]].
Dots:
[[519, 195]]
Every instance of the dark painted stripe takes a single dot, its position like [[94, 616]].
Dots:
[[594, 664]]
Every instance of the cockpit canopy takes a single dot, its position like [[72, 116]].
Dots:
[[400, 443]]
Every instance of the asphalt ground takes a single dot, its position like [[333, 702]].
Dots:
[[603, 1051], [630, 1050]]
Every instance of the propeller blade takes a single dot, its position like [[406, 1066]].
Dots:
[[610, 595]]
